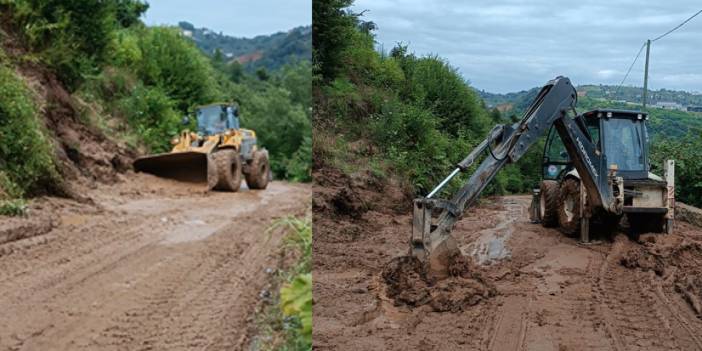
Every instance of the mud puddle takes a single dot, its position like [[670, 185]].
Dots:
[[490, 244]]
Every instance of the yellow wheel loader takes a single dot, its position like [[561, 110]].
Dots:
[[219, 153]]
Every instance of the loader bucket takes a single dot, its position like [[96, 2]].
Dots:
[[183, 166]]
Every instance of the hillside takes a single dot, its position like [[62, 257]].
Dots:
[[665, 122], [268, 51]]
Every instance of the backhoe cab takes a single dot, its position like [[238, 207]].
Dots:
[[621, 137]]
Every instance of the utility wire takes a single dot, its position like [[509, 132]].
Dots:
[[629, 70], [652, 40], [678, 26]]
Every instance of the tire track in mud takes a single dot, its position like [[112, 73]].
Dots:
[[112, 281], [635, 316]]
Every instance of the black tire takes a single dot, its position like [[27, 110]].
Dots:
[[228, 168], [569, 207], [259, 170], [548, 203]]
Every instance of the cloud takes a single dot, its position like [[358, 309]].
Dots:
[[509, 45]]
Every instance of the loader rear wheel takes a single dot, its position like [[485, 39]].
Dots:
[[548, 203], [569, 207], [228, 167], [259, 170]]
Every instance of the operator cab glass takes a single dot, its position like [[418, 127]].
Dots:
[[216, 119], [620, 135], [624, 144]]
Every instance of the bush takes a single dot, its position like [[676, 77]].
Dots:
[[281, 126], [688, 165], [177, 67], [16, 207], [72, 36], [287, 323], [152, 115], [26, 154]]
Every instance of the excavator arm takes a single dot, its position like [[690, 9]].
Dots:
[[431, 235]]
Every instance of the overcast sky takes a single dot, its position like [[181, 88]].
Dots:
[[239, 18], [504, 46]]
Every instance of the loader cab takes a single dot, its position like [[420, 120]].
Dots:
[[620, 135], [217, 118]]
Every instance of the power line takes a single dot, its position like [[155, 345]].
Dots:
[[678, 26], [644, 45], [629, 70]]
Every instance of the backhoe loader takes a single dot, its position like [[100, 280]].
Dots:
[[219, 153], [595, 167]]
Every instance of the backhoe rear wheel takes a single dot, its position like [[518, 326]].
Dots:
[[548, 203], [228, 168], [569, 207], [259, 170]]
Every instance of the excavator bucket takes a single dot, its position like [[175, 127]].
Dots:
[[187, 166]]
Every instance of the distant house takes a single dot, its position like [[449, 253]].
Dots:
[[669, 105], [694, 109], [188, 33]]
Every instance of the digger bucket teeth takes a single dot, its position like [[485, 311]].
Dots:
[[428, 242], [183, 166]]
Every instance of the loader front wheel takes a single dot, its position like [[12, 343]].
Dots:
[[228, 167], [259, 170], [548, 203], [569, 207]]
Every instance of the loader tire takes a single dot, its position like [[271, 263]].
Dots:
[[548, 203], [259, 170], [569, 207], [228, 164]]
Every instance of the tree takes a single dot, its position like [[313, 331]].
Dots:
[[262, 74], [331, 27]]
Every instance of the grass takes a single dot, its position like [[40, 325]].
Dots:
[[285, 323], [15, 207]]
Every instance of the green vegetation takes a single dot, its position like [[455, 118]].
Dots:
[[138, 82], [15, 207], [27, 165], [286, 323], [418, 113], [688, 165]]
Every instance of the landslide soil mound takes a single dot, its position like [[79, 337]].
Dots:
[[408, 284], [674, 258], [84, 153]]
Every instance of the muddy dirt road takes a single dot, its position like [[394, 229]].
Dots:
[[152, 265], [552, 293]]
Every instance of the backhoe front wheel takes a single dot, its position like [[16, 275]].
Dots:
[[548, 203], [259, 170], [569, 207], [227, 164]]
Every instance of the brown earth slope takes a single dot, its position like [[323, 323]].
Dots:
[[551, 293], [153, 265]]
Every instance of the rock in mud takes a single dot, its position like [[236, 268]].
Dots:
[[408, 284]]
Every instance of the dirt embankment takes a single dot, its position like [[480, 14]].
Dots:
[[84, 153], [528, 287], [153, 264]]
